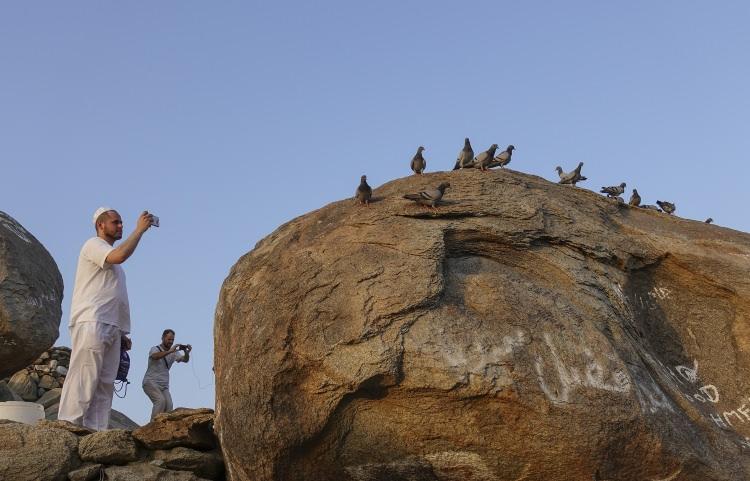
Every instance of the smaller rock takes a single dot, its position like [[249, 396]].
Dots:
[[34, 453], [147, 472], [50, 413], [89, 472], [62, 370], [209, 465], [7, 394], [52, 364], [23, 384], [46, 382], [34, 377], [50, 397], [114, 446], [66, 425], [118, 420], [191, 428]]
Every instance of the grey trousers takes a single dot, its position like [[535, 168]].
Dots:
[[159, 396]]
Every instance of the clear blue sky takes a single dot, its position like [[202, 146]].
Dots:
[[227, 119]]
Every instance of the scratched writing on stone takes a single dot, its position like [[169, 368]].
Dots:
[[646, 300], [569, 378], [709, 394]]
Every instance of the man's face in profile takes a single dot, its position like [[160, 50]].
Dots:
[[111, 225]]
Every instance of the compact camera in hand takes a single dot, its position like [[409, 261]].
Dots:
[[155, 220], [181, 347]]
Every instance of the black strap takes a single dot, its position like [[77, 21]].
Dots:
[[164, 358]]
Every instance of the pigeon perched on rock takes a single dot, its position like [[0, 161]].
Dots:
[[503, 158], [418, 163], [429, 197], [465, 156], [482, 161], [613, 191], [364, 192], [635, 199], [667, 207], [570, 177], [650, 207], [709, 220]]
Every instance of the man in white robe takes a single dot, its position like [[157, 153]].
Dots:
[[99, 320]]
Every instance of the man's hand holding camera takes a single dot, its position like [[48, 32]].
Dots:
[[182, 347], [185, 348]]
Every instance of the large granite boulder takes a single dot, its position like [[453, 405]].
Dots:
[[523, 330], [31, 291]]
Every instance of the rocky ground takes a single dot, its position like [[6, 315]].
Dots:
[[176, 446]]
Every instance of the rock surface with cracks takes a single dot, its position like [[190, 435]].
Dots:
[[31, 292], [523, 330]]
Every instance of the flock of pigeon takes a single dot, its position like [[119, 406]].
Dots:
[[487, 160]]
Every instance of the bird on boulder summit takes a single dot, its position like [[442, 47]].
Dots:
[[650, 207], [418, 162], [503, 158], [614, 190], [363, 194], [570, 177], [429, 197], [482, 161], [465, 156], [667, 207], [635, 199]]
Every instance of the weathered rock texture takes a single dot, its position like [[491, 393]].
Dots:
[[30, 453], [190, 428], [31, 290], [525, 330]]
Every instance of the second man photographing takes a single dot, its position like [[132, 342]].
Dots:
[[156, 379]]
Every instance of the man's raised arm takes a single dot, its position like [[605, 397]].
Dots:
[[122, 252]]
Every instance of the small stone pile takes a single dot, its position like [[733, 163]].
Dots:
[[42, 381], [175, 446]]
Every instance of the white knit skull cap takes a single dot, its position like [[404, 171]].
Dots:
[[100, 211]]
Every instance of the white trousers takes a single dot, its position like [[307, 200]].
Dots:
[[158, 395], [86, 397]]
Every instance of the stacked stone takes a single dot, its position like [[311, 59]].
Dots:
[[42, 381], [176, 446]]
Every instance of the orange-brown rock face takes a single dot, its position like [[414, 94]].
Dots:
[[525, 330]]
